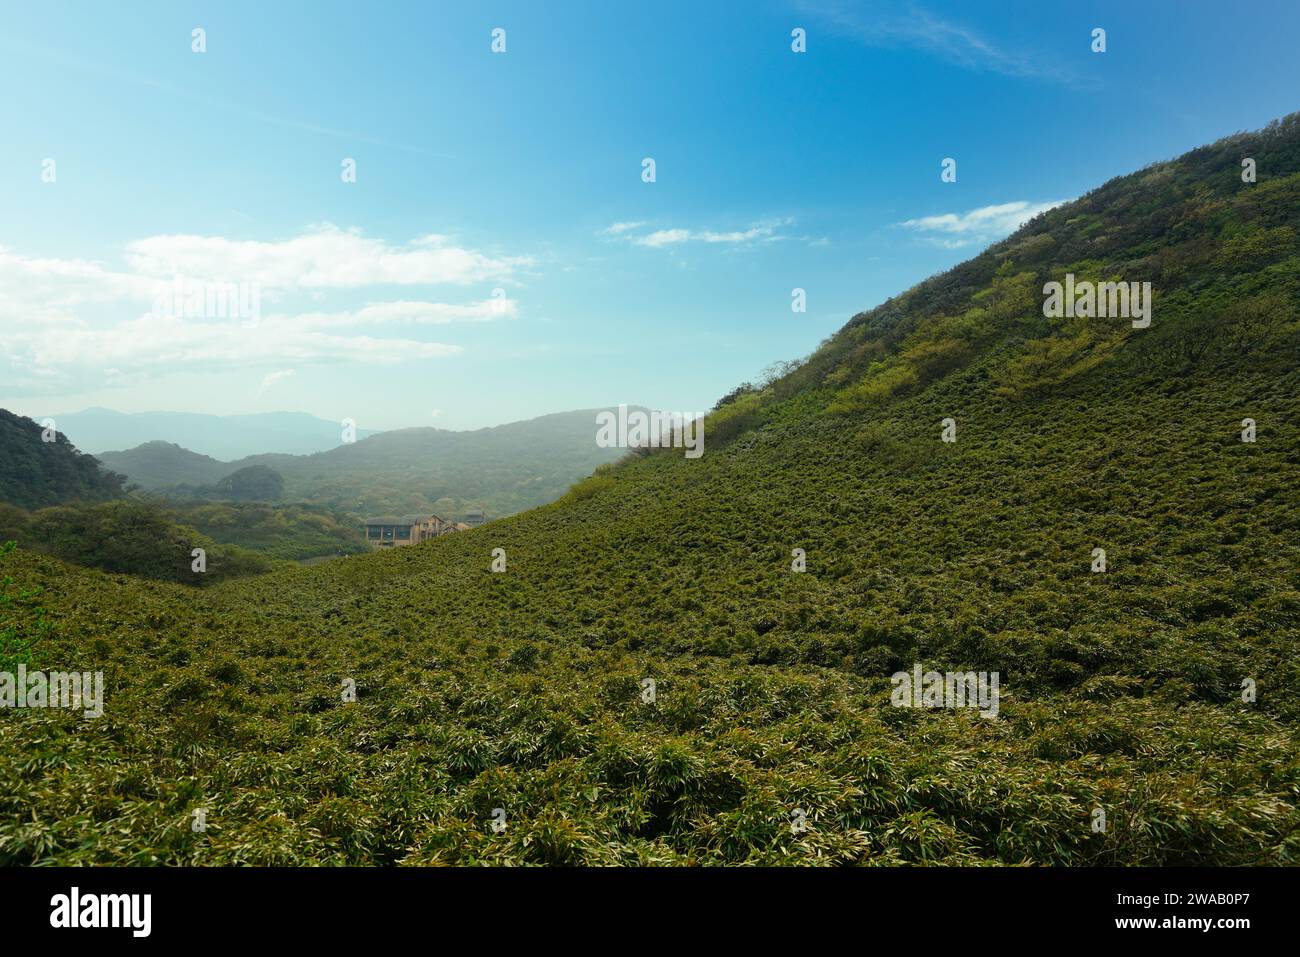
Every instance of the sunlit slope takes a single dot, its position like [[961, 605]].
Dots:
[[523, 690]]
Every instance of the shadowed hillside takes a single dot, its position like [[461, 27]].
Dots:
[[35, 473], [158, 464], [1122, 691]]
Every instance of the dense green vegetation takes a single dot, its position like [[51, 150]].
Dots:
[[88, 522], [154, 537], [35, 473], [1121, 690], [82, 515], [21, 635], [129, 537], [291, 532], [254, 483]]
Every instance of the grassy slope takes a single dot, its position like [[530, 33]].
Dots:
[[521, 690]]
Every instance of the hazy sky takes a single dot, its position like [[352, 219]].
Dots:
[[499, 255]]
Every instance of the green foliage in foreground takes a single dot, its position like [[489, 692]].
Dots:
[[19, 639], [522, 690]]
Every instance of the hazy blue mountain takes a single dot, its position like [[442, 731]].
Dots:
[[220, 436], [503, 469]]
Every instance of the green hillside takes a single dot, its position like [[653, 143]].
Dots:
[[35, 473], [57, 500], [157, 464], [1122, 690]]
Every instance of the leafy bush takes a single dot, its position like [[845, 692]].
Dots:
[[135, 538]]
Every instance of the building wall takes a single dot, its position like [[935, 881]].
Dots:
[[389, 536]]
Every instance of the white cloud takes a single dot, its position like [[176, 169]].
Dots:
[[984, 225], [763, 231], [419, 313], [617, 229], [663, 237], [275, 377], [68, 321], [50, 290], [169, 341], [324, 257]]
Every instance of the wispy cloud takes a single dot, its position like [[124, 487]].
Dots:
[[275, 377], [323, 257], [883, 23], [618, 229], [101, 72], [416, 313], [42, 361], [977, 226], [766, 230]]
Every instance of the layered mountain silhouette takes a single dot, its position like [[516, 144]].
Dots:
[[219, 436], [503, 469]]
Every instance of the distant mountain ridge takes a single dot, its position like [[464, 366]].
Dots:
[[504, 469], [99, 430]]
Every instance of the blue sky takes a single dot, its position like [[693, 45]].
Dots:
[[499, 255]]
